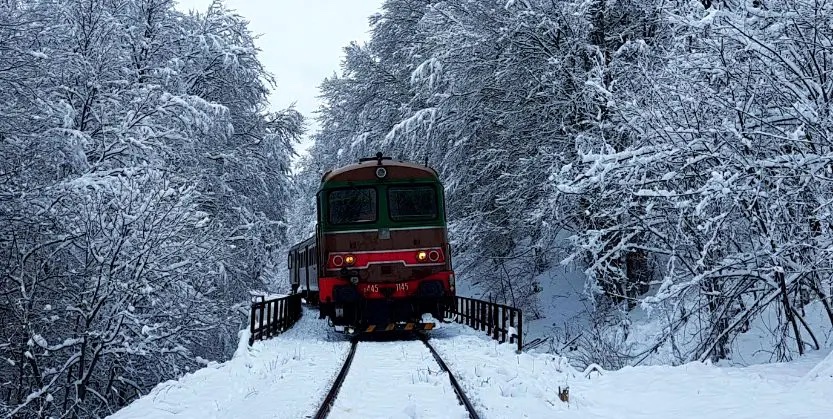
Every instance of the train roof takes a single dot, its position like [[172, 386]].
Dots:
[[307, 242], [366, 170]]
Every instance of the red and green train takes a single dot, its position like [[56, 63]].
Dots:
[[380, 258]]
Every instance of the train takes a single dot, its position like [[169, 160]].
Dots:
[[380, 258]]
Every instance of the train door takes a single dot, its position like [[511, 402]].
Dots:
[[312, 269], [293, 271], [297, 270], [302, 271]]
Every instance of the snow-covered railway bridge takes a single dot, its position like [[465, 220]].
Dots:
[[288, 377]]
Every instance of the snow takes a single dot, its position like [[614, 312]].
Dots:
[[288, 376], [503, 384], [564, 307], [284, 377], [40, 341]]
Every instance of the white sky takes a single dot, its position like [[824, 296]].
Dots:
[[301, 43]]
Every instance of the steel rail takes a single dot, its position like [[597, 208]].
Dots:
[[458, 390], [327, 404]]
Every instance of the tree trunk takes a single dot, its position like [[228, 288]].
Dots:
[[785, 299]]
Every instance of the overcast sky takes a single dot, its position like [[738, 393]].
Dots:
[[301, 41]]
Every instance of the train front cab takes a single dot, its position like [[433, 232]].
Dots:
[[384, 247]]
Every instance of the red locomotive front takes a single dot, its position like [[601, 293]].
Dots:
[[380, 259]]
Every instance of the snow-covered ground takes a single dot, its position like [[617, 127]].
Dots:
[[288, 376], [284, 377], [564, 324], [504, 384]]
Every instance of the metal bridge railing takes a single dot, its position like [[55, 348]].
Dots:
[[272, 317], [498, 320]]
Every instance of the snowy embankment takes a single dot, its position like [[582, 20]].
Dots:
[[287, 377], [284, 377], [504, 384]]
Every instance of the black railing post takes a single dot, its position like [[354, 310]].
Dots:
[[283, 316], [470, 312], [270, 315], [487, 318], [494, 322], [502, 324], [482, 314], [252, 325], [477, 316], [278, 316], [520, 331], [286, 314]]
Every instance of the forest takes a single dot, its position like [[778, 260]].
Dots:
[[142, 193], [677, 153]]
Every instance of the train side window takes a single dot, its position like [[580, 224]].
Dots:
[[289, 261]]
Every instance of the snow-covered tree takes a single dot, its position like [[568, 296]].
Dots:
[[682, 145], [143, 190], [726, 185]]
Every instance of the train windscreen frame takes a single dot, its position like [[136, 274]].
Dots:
[[413, 203], [358, 205]]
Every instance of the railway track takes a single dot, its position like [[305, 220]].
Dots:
[[327, 404], [406, 350]]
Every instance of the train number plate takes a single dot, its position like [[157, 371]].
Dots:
[[374, 288]]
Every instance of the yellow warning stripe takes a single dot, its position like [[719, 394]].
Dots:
[[399, 326]]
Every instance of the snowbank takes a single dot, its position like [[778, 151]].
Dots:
[[284, 377], [503, 384]]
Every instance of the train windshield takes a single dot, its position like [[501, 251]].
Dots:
[[407, 203], [349, 206]]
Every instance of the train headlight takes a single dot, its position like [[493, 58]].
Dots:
[[349, 260], [381, 172], [434, 255], [422, 256], [338, 260]]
